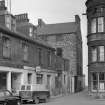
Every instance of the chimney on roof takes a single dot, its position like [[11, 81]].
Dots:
[[2, 5], [77, 19], [21, 18], [40, 23]]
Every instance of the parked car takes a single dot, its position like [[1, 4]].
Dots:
[[34, 93], [7, 98]]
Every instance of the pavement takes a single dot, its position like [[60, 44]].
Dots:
[[80, 98]]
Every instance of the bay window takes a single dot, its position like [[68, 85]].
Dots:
[[97, 25], [97, 53], [93, 25], [94, 54], [98, 81], [101, 53], [94, 81], [100, 24]]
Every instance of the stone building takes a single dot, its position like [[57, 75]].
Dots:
[[96, 45], [67, 40], [25, 60]]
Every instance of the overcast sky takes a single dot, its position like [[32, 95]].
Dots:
[[51, 11], [54, 11]]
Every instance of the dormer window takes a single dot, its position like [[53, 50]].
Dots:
[[30, 31]]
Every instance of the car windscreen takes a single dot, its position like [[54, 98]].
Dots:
[[2, 94], [7, 93]]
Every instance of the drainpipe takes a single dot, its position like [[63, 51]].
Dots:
[[9, 81]]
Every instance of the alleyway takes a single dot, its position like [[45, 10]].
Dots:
[[74, 99]]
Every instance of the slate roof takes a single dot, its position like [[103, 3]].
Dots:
[[24, 37], [59, 28]]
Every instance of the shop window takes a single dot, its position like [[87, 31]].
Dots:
[[94, 54], [39, 78], [94, 81], [101, 81], [98, 81], [6, 47], [101, 53]]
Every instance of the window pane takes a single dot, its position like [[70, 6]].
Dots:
[[39, 78], [94, 54], [101, 76], [59, 52], [40, 56], [101, 53], [93, 26], [30, 31], [94, 76], [8, 22], [25, 52], [100, 24], [95, 85], [49, 58], [29, 78]]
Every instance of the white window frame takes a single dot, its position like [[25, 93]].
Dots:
[[93, 25], [101, 53], [94, 54], [100, 24]]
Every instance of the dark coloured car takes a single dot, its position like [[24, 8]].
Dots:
[[7, 98]]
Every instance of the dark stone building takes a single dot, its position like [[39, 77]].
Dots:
[[67, 40], [21, 56], [96, 45]]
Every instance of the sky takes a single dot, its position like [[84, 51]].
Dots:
[[54, 11]]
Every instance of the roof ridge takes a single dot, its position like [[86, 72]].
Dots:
[[59, 23]]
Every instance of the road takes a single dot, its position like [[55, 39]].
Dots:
[[74, 99]]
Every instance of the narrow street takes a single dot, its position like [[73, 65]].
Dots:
[[74, 99]]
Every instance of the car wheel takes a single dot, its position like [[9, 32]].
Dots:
[[18, 103], [36, 100]]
